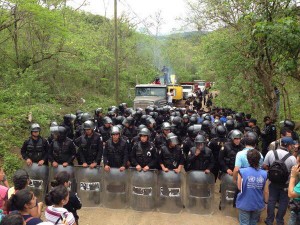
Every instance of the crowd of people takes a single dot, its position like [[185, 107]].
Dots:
[[219, 142]]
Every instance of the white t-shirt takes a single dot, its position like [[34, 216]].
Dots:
[[169, 94], [52, 215]]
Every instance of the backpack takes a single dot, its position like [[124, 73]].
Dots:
[[278, 172]]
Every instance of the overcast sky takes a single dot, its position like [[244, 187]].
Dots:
[[140, 10]]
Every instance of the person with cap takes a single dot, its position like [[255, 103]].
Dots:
[[284, 132], [200, 157], [90, 146], [143, 154], [171, 156], [35, 148], [268, 134], [62, 150], [115, 154], [278, 191]]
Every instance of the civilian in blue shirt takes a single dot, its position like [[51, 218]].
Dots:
[[253, 190]]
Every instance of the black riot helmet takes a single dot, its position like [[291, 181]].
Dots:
[[289, 124], [98, 111], [206, 125], [193, 120], [229, 125], [119, 120], [59, 131], [88, 125], [35, 127], [150, 121], [85, 117], [138, 114], [238, 116], [172, 139], [129, 120], [140, 127], [166, 126], [107, 120], [53, 124], [144, 131], [115, 130], [235, 134], [177, 120], [200, 139], [221, 131], [193, 130], [250, 138], [149, 109], [68, 118], [207, 117]]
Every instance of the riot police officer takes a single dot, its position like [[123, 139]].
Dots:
[[35, 149], [105, 129], [68, 123], [115, 152], [62, 150], [200, 157], [129, 131], [161, 139], [291, 125], [268, 134], [90, 146], [143, 154], [171, 156], [216, 145], [98, 118], [228, 153]]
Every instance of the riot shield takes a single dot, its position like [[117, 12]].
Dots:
[[170, 197], [89, 186], [228, 189], [60, 168], [115, 189], [38, 180], [200, 192], [142, 191]]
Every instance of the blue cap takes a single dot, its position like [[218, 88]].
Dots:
[[287, 141]]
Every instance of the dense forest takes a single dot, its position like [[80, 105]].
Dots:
[[55, 60]]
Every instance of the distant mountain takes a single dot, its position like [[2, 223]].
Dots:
[[189, 34]]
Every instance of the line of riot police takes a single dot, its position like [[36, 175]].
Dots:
[[155, 138]]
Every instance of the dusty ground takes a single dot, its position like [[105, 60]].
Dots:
[[98, 216]]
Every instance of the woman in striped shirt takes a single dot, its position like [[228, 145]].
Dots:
[[55, 212]]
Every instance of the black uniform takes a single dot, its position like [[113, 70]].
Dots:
[[143, 154], [160, 140], [187, 144], [62, 151], [73, 205], [171, 158], [105, 133], [268, 135], [130, 132], [205, 160], [69, 129], [227, 156], [90, 149], [216, 144], [115, 154], [35, 150]]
